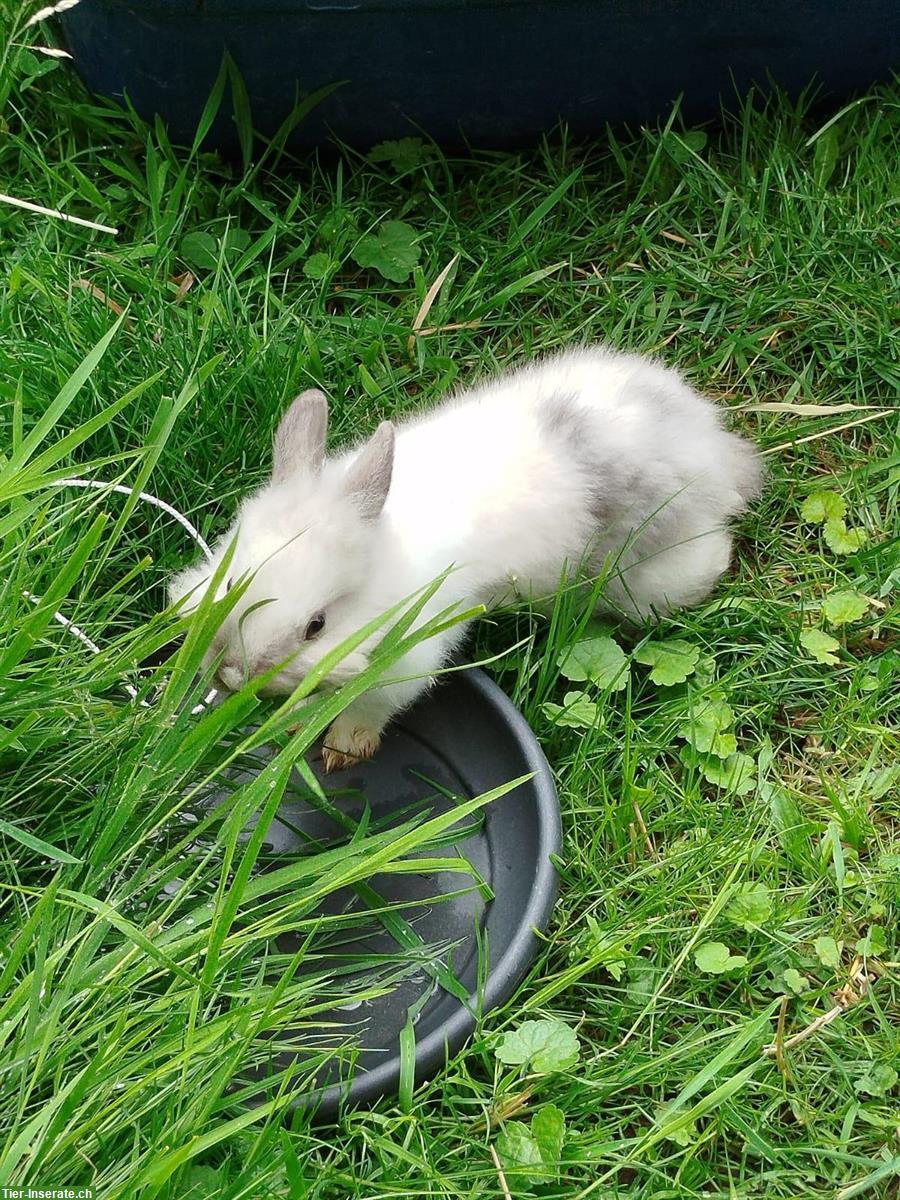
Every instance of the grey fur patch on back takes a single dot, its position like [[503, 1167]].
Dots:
[[563, 420]]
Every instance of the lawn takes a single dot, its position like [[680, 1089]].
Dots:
[[730, 872]]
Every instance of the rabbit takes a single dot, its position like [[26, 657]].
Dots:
[[589, 457]]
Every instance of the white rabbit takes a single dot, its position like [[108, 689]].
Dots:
[[589, 457]]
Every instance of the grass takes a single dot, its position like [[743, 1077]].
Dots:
[[761, 257]]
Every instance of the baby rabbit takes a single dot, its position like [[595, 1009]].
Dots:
[[590, 458]]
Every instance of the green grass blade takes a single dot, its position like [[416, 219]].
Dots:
[[57, 407], [35, 843]]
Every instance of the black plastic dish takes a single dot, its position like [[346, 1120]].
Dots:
[[467, 737]]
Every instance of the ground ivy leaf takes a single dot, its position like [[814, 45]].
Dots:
[[750, 905], [828, 952], [878, 1080], [840, 608], [203, 1182], [684, 1134], [598, 659], [842, 540], [736, 773], [200, 250], [543, 1046], [672, 661], [714, 958], [578, 711], [317, 266], [392, 250], [236, 239], [705, 670], [608, 950], [707, 728], [876, 784], [335, 223], [825, 156], [641, 981], [794, 981], [404, 154], [874, 943], [680, 145], [548, 1128], [823, 506], [518, 1150], [821, 645]]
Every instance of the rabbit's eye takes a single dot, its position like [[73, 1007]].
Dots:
[[315, 627], [228, 585]]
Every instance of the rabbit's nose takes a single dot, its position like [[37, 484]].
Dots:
[[232, 677]]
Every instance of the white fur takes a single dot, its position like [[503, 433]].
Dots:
[[590, 457]]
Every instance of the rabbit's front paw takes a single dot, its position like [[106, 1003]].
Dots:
[[347, 742]]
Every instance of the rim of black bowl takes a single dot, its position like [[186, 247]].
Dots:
[[520, 952]]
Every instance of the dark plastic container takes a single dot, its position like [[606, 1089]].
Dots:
[[495, 72], [463, 739]]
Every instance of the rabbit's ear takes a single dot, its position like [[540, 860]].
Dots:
[[300, 437], [368, 478]]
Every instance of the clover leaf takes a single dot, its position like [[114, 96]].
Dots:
[[200, 250], [518, 1150], [548, 1128]]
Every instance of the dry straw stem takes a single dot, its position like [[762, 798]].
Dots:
[[812, 437], [504, 1186], [184, 283], [429, 300], [779, 1038], [806, 410], [98, 293], [447, 328], [674, 237], [54, 212], [504, 1110], [648, 840], [844, 998]]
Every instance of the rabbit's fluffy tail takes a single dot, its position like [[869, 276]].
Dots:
[[744, 469]]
